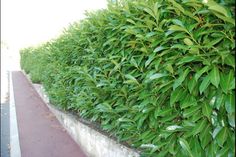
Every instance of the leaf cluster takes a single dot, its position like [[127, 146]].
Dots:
[[158, 75]]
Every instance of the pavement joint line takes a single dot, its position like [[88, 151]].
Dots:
[[15, 150]]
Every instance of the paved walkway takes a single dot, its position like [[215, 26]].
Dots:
[[5, 110], [40, 133], [5, 130]]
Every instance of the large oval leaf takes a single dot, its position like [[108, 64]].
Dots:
[[181, 78], [184, 144], [222, 136], [176, 95], [215, 76], [226, 81], [205, 83], [206, 110]]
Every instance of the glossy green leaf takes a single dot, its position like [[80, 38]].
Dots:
[[173, 127], [201, 124], [215, 76], [150, 59], [190, 111], [149, 11], [128, 76], [205, 136], [223, 152], [195, 146], [205, 83], [216, 131], [184, 144], [200, 72], [211, 150], [226, 81], [178, 22], [181, 78], [230, 103], [230, 60], [164, 112], [156, 76], [169, 68], [188, 101], [219, 100], [207, 110], [160, 48], [177, 28], [133, 62], [231, 119], [141, 121], [191, 84], [150, 34], [188, 42], [226, 19], [180, 47], [130, 21], [186, 59], [213, 42], [222, 136], [219, 9], [194, 50], [177, 5], [176, 95]]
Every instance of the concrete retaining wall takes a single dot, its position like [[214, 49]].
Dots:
[[94, 143]]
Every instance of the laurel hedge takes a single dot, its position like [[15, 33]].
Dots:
[[156, 74]]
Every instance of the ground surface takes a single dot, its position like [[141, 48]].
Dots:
[[5, 119], [40, 133], [5, 130]]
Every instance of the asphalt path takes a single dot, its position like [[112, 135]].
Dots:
[[5, 130], [6, 64], [5, 116], [40, 133]]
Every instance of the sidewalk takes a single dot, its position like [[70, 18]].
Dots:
[[5, 130], [40, 133]]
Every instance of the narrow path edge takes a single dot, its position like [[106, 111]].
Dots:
[[15, 150]]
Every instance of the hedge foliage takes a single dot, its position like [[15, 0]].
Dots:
[[158, 75]]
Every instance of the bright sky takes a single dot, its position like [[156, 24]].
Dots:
[[30, 22]]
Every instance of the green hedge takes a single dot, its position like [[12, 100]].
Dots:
[[158, 75]]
